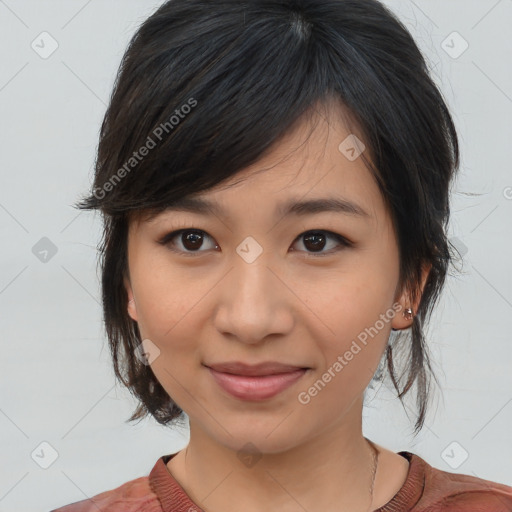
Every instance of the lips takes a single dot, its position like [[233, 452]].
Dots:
[[255, 382], [256, 370]]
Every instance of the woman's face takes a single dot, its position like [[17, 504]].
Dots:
[[252, 285]]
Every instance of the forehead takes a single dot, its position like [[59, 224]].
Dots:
[[321, 164]]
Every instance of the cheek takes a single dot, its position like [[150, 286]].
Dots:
[[165, 297], [350, 354], [167, 305], [349, 319]]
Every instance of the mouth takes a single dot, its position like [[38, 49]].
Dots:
[[255, 370], [256, 382]]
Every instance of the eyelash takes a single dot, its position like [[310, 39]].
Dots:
[[343, 242]]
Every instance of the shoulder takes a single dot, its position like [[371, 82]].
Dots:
[[456, 492], [133, 496]]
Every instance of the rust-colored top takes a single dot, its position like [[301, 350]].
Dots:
[[426, 489]]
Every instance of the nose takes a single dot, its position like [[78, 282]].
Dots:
[[254, 301]]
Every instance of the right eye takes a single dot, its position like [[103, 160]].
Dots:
[[188, 241]]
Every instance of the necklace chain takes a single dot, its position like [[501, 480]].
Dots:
[[374, 473]]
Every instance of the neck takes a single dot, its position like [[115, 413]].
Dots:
[[333, 471]]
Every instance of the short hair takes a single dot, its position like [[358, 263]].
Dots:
[[207, 87]]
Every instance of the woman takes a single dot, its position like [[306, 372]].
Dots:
[[274, 177]]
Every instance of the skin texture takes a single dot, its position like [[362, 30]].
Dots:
[[288, 305]]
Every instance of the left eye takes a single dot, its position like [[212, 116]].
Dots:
[[316, 241], [192, 239]]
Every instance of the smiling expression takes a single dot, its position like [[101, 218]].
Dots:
[[289, 265]]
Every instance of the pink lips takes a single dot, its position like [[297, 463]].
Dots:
[[256, 382]]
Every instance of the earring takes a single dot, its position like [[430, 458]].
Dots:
[[408, 314]]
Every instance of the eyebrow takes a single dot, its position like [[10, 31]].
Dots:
[[294, 206]]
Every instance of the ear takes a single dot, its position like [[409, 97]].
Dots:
[[405, 300], [131, 306]]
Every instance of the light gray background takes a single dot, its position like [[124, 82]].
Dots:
[[56, 381]]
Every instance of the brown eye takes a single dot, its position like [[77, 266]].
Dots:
[[189, 242], [185, 240], [316, 241]]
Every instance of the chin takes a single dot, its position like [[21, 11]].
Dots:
[[264, 437]]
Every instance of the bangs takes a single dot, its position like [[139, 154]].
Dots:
[[201, 95]]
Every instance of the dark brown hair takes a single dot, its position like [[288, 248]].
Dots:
[[205, 88]]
